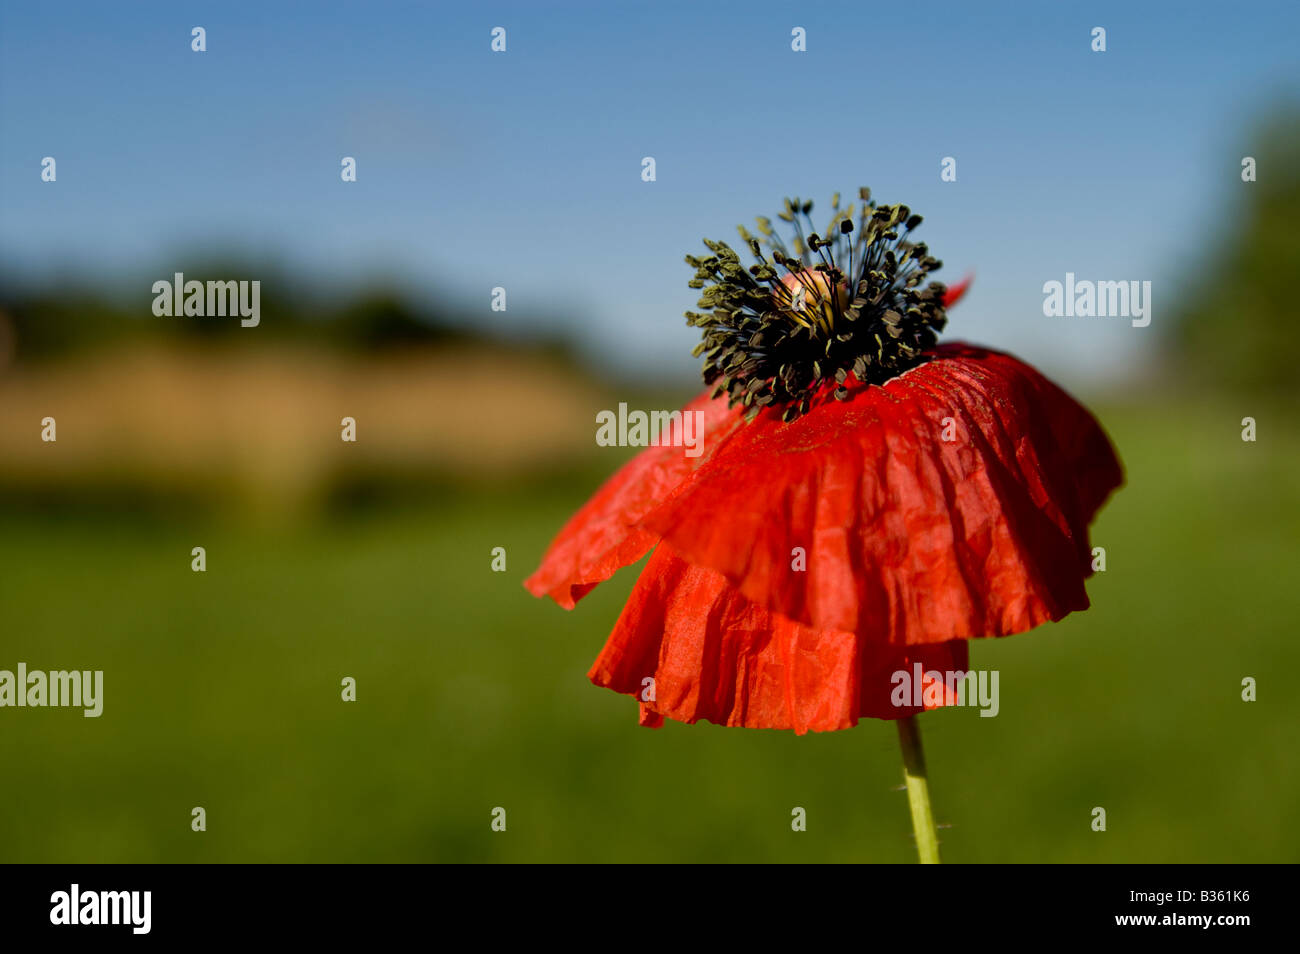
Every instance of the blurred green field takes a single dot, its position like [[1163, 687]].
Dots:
[[222, 690]]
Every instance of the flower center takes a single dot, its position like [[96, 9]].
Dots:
[[776, 332]]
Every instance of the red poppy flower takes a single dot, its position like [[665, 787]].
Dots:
[[866, 500]]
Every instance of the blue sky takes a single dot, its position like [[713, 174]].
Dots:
[[522, 169]]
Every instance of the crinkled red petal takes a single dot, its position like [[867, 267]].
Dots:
[[604, 534], [689, 646], [908, 537]]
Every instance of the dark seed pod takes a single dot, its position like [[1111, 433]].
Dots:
[[779, 331]]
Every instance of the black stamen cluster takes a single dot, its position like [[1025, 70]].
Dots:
[[855, 304]]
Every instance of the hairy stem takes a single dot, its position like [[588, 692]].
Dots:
[[918, 790]]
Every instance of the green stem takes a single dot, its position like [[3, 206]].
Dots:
[[918, 790]]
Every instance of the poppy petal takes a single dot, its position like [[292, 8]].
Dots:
[[952, 502], [604, 535], [955, 292], [714, 655]]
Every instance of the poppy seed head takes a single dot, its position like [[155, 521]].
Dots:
[[816, 308]]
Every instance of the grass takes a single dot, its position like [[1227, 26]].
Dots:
[[222, 690]]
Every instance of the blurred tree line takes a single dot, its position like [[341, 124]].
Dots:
[[48, 321], [1237, 325]]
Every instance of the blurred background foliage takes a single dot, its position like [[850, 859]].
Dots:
[[201, 412], [1236, 319]]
